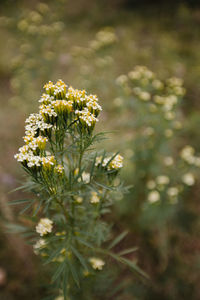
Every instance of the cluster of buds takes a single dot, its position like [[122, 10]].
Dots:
[[59, 107], [109, 163]]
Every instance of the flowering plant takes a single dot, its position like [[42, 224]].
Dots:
[[72, 184], [157, 120], [164, 170]]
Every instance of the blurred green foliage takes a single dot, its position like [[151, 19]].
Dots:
[[90, 44]]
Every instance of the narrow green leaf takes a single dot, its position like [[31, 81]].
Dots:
[[37, 209], [80, 257], [53, 255], [20, 201], [87, 244], [25, 208], [127, 251], [73, 272], [103, 186], [133, 266], [15, 228], [118, 239], [58, 272], [93, 165], [65, 281]]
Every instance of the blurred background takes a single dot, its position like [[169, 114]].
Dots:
[[94, 44]]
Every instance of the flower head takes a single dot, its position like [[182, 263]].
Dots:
[[153, 196], [188, 179], [94, 198], [96, 263], [44, 226]]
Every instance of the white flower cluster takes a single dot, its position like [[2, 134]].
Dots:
[[188, 155], [96, 263], [161, 97], [105, 37], [94, 198], [57, 103], [85, 177], [141, 73], [188, 179], [153, 196], [59, 169], [44, 226], [115, 164], [161, 182], [86, 117], [40, 244], [35, 124]]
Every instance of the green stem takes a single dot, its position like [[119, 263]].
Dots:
[[67, 217]]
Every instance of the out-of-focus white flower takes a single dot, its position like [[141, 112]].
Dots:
[[59, 298], [145, 96], [118, 102], [168, 133], [162, 179], [187, 154], [85, 177], [168, 161], [44, 226], [121, 80], [197, 161], [177, 125], [78, 199], [169, 115], [94, 197], [41, 243], [153, 196], [188, 179], [151, 184], [157, 84], [149, 131], [172, 191], [97, 263], [59, 169]]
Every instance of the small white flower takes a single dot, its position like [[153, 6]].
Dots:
[[172, 191], [41, 243], [85, 177], [122, 79], [97, 263], [95, 198], [149, 131], [153, 196], [44, 226], [145, 96], [168, 133], [151, 184], [78, 199], [116, 163], [162, 179], [188, 179], [168, 161], [187, 154]]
